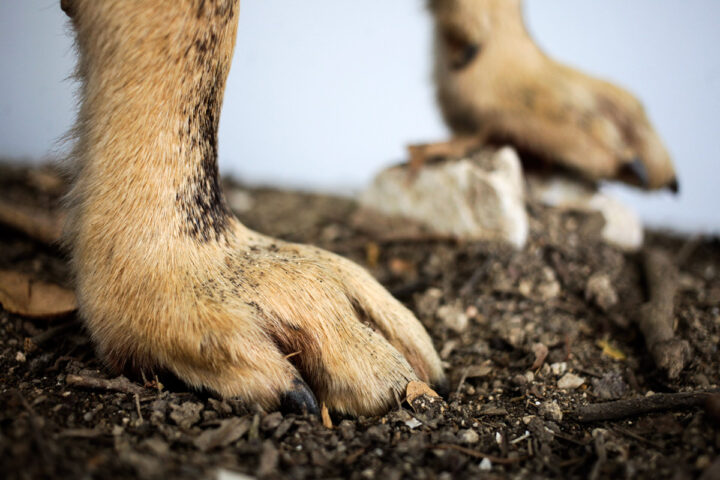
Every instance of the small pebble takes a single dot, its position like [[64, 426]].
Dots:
[[558, 368], [468, 436], [570, 381], [551, 411]]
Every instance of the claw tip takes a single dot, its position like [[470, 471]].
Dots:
[[299, 399]]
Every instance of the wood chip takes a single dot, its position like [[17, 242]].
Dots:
[[479, 371], [415, 389], [541, 353], [41, 225], [325, 415], [22, 295]]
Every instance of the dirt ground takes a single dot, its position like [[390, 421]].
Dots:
[[491, 312]]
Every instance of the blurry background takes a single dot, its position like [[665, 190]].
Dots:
[[323, 94]]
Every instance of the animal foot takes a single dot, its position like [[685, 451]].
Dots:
[[275, 324]]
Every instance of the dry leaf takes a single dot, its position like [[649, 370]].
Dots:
[[611, 351], [22, 295], [326, 421], [416, 389]]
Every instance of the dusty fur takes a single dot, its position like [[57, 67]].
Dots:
[[167, 278], [494, 83]]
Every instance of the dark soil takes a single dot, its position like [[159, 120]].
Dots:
[[500, 409]]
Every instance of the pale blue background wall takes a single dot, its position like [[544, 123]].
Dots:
[[323, 93]]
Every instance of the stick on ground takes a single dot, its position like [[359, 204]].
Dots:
[[619, 409], [656, 318]]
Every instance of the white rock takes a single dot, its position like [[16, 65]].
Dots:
[[622, 227], [223, 474], [468, 436], [558, 368], [240, 200], [551, 411], [570, 381], [453, 316], [477, 198], [600, 290], [20, 357], [485, 465], [413, 423]]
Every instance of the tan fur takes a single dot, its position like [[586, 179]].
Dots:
[[167, 279], [510, 91]]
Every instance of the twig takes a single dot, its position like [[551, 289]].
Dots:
[[53, 332], [637, 437], [476, 454], [36, 426], [462, 380], [601, 453], [520, 438], [598, 412], [119, 384], [656, 318], [137, 407]]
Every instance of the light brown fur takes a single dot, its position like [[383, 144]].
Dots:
[[167, 278], [495, 84]]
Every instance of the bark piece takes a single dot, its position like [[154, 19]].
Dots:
[[40, 225], [22, 295]]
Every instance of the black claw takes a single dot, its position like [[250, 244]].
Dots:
[[299, 399], [674, 186], [66, 7], [639, 173], [442, 387]]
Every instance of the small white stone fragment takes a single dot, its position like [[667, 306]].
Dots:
[[240, 200], [468, 436], [485, 465], [600, 290], [477, 198], [453, 316], [20, 357], [551, 411], [223, 474], [558, 368], [570, 381], [413, 423]]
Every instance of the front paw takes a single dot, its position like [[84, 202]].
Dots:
[[292, 327]]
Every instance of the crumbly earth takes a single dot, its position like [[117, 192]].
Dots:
[[487, 308]]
